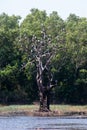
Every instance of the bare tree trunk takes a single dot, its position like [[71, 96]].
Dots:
[[45, 101], [44, 93]]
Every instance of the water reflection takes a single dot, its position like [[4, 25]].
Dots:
[[42, 123]]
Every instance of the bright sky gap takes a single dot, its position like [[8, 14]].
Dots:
[[63, 7]]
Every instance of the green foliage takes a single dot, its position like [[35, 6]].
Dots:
[[33, 22], [69, 66], [9, 70]]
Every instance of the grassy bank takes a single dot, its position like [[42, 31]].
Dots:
[[32, 110]]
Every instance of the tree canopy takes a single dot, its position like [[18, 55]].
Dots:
[[17, 52]]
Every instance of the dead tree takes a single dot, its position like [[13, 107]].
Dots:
[[44, 52], [41, 50]]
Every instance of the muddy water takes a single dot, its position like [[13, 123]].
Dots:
[[42, 123]]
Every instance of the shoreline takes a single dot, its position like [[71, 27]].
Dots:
[[32, 110], [45, 114]]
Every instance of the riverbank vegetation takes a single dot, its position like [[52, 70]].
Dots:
[[32, 110], [69, 66]]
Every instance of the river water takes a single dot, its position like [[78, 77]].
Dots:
[[42, 123]]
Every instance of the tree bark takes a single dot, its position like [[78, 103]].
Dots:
[[44, 92], [44, 101]]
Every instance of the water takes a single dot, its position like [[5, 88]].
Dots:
[[42, 123]]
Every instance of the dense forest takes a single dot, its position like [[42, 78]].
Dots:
[[69, 66]]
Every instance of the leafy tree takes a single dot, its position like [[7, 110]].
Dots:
[[41, 50], [32, 23], [9, 30]]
